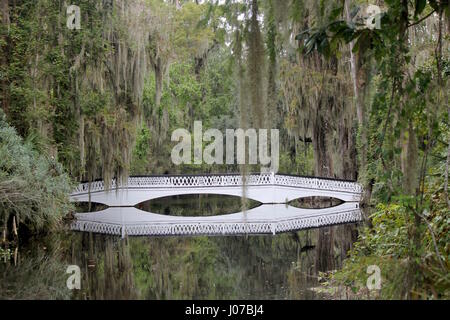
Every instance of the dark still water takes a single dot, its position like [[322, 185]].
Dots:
[[281, 266]]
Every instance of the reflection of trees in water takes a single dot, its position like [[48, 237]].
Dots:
[[239, 267], [195, 205], [261, 263], [311, 261], [284, 266], [186, 268], [180, 268], [37, 272], [106, 267], [315, 202], [213, 267], [261, 267]]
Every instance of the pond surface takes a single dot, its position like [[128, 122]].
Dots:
[[223, 267], [196, 205]]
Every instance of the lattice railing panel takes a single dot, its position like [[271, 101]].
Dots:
[[317, 183], [217, 228], [97, 227], [226, 180]]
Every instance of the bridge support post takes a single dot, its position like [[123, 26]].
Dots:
[[273, 228]]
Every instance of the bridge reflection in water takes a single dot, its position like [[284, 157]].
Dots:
[[267, 218], [273, 216]]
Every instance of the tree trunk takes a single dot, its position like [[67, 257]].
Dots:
[[322, 159], [5, 21], [256, 52], [158, 84], [447, 163], [359, 77]]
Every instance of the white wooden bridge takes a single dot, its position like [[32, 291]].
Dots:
[[274, 191]]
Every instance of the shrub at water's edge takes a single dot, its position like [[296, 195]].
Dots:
[[33, 186], [389, 246]]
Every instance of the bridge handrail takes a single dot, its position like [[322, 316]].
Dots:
[[219, 228], [224, 180]]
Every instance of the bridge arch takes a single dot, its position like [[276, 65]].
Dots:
[[265, 188]]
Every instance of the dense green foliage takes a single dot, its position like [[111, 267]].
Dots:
[[351, 102], [407, 139], [33, 187], [388, 245]]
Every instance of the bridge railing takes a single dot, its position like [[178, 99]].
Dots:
[[318, 183], [220, 227], [224, 180]]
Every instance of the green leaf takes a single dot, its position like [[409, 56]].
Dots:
[[354, 12], [302, 35], [335, 13], [419, 6], [434, 4]]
